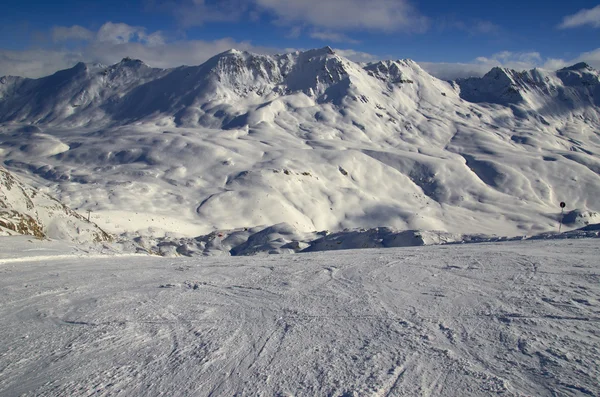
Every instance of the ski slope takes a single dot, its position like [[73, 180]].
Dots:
[[510, 319]]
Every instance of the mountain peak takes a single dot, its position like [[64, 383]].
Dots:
[[232, 51], [578, 66], [322, 51], [318, 52], [127, 61], [498, 70], [231, 55]]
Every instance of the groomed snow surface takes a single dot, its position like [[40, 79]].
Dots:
[[514, 319]]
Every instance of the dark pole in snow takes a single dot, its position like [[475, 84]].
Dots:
[[89, 212], [562, 214]]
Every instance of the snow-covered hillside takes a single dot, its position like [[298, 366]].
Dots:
[[25, 210], [511, 319], [572, 92], [310, 139]]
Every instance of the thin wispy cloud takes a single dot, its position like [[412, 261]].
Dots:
[[36, 63], [111, 43], [513, 60], [585, 17], [190, 13], [485, 27], [72, 33], [472, 26], [332, 37], [198, 12], [483, 64], [379, 15], [114, 41], [356, 56], [121, 33]]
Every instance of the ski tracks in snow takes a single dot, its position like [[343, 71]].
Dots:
[[512, 319]]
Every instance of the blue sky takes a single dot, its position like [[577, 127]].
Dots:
[[450, 39]]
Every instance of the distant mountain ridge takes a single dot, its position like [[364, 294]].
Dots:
[[567, 89], [129, 91]]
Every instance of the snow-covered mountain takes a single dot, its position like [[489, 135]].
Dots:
[[27, 211], [219, 93], [310, 139], [568, 92]]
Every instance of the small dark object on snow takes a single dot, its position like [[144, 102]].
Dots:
[[562, 214]]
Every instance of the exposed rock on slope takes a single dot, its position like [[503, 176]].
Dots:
[[25, 210]]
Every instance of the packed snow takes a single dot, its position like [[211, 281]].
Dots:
[[512, 319]]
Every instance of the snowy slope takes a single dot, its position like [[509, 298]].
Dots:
[[25, 210], [310, 139], [572, 92], [511, 319], [71, 97]]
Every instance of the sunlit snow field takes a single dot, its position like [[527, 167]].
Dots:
[[310, 139], [514, 319]]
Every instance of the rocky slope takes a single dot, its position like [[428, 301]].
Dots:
[[27, 211]]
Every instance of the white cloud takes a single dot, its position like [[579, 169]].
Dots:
[[73, 33], [583, 17], [471, 26], [198, 12], [382, 15], [172, 54], [119, 33], [592, 58], [35, 63], [356, 56], [115, 41], [484, 27], [294, 33], [154, 39], [453, 71], [332, 37], [513, 60], [377, 15]]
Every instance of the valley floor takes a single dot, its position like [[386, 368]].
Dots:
[[518, 318]]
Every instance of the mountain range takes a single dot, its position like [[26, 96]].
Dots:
[[310, 139]]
